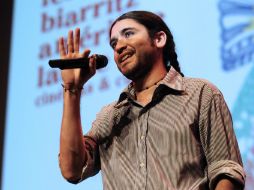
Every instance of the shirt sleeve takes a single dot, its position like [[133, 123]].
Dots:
[[92, 141], [92, 160], [219, 141], [92, 164]]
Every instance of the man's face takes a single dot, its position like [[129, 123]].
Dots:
[[134, 52]]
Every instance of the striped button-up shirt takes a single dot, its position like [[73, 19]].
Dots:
[[182, 140]]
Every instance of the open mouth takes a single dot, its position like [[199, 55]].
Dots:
[[125, 56]]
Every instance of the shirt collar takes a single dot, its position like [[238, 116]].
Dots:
[[173, 80]]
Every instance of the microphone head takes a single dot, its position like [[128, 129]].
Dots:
[[101, 61]]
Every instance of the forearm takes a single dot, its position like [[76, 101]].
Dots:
[[72, 155], [228, 184], [72, 150]]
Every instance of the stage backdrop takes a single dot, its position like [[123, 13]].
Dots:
[[214, 40]]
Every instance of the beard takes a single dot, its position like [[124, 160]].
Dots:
[[140, 69], [137, 72]]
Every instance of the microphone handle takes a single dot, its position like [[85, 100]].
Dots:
[[73, 63]]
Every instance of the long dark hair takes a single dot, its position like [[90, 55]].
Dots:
[[154, 24]]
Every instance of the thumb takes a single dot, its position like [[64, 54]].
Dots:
[[85, 53]]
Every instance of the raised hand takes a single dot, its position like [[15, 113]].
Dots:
[[75, 77]]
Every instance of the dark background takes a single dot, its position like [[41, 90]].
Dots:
[[6, 7]]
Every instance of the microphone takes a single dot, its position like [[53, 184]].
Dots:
[[101, 61]]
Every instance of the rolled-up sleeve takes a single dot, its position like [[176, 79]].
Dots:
[[228, 168], [100, 129], [92, 164], [219, 142]]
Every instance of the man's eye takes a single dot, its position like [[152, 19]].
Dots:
[[113, 45], [128, 34]]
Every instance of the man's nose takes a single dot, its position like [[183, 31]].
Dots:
[[120, 46]]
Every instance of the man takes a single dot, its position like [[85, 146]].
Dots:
[[165, 131]]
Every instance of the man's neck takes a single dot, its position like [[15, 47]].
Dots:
[[151, 78], [145, 87]]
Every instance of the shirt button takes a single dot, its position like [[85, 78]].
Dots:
[[142, 137], [141, 164]]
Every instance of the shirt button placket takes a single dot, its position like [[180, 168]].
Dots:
[[142, 151]]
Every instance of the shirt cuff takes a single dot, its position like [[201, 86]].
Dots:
[[228, 168]]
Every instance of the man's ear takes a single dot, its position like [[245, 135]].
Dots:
[[160, 39]]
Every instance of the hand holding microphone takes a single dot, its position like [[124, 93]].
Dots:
[[76, 68]]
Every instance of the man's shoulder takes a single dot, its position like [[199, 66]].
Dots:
[[101, 126], [201, 84], [108, 108]]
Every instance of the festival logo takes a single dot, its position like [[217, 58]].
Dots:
[[237, 50]]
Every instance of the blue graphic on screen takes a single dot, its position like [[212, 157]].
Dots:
[[237, 24], [243, 114]]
